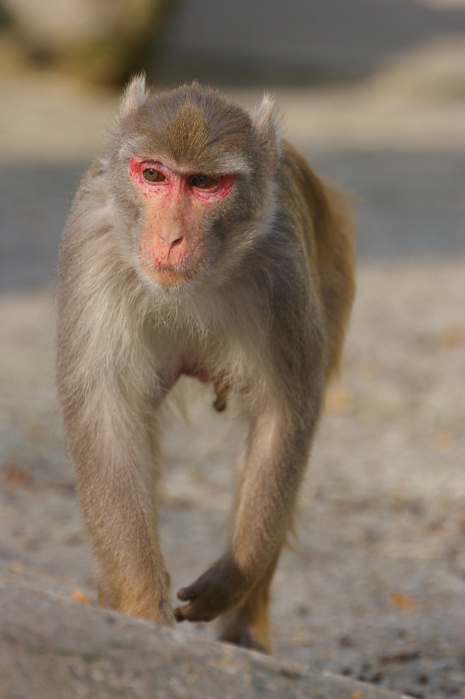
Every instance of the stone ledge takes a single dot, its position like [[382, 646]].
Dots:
[[52, 647]]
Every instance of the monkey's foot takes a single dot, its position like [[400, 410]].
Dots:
[[241, 631]]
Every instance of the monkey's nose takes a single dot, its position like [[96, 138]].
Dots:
[[176, 241], [171, 238]]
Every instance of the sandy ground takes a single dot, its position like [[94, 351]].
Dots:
[[374, 586]]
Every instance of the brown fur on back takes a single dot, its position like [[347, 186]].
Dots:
[[327, 234]]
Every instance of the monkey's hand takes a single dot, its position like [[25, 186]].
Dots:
[[218, 590]]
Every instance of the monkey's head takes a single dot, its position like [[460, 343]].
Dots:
[[190, 172]]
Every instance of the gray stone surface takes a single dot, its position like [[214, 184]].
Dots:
[[52, 647]]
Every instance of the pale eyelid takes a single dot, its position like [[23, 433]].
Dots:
[[138, 166], [156, 171], [213, 181], [154, 165]]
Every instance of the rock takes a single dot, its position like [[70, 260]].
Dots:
[[53, 647]]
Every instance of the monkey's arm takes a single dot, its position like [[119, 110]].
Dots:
[[273, 472], [103, 377], [112, 447], [277, 451], [117, 509]]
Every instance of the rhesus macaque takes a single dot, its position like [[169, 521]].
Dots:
[[199, 243]]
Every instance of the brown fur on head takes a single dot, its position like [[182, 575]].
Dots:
[[196, 125]]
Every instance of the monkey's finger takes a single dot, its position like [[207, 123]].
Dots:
[[189, 612], [187, 594], [180, 613]]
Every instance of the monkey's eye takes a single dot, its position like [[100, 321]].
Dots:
[[152, 175], [203, 181]]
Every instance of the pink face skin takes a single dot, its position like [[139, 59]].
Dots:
[[172, 243]]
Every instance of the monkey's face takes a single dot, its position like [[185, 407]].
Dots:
[[190, 173], [179, 207]]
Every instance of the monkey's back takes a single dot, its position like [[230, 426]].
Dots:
[[326, 232]]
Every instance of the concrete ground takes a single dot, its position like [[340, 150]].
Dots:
[[375, 585]]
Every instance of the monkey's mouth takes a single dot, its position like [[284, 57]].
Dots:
[[167, 275]]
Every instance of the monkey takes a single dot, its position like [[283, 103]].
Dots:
[[199, 243]]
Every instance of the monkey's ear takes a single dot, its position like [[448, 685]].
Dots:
[[267, 126], [134, 96]]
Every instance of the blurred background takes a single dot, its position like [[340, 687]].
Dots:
[[373, 92], [380, 83]]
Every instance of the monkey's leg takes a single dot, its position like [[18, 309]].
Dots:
[[249, 624]]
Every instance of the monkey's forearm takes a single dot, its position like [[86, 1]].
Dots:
[[118, 513], [273, 471]]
